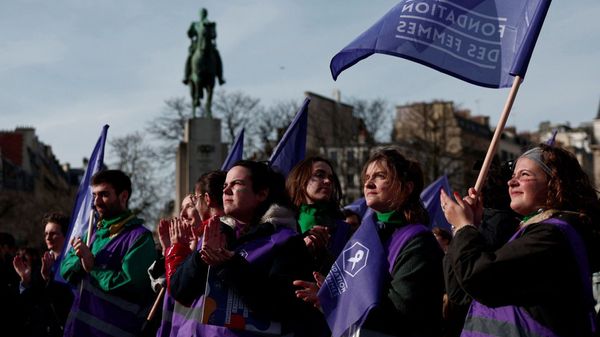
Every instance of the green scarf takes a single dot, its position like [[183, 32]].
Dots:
[[313, 214], [393, 217], [531, 215]]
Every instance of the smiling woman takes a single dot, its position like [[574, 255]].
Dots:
[[539, 282]]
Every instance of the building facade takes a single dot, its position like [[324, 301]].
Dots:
[[335, 133], [32, 182]]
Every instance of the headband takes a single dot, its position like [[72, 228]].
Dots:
[[535, 154]]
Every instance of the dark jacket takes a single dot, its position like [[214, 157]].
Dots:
[[536, 271], [265, 287], [412, 305]]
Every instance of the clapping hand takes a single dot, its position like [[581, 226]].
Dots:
[[164, 236], [309, 290], [183, 233], [214, 250], [47, 263], [23, 268], [317, 238]]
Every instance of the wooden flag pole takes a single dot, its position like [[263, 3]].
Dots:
[[499, 128], [156, 303]]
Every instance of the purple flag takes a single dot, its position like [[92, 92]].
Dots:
[[431, 199], [552, 138], [235, 153], [353, 286], [484, 42], [358, 207], [80, 215], [292, 146]]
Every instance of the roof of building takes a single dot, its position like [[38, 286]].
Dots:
[[11, 144]]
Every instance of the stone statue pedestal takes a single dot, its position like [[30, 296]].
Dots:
[[200, 151]]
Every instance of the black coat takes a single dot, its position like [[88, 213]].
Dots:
[[265, 287], [537, 271], [412, 301]]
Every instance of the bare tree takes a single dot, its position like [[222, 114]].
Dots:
[[270, 125], [236, 110], [168, 128], [136, 158], [430, 135], [376, 115]]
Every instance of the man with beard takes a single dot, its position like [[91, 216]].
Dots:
[[114, 293]]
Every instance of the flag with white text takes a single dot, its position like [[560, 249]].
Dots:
[[484, 42]]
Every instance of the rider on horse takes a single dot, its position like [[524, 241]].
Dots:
[[203, 63]]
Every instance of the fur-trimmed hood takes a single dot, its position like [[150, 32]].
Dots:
[[280, 216], [277, 215]]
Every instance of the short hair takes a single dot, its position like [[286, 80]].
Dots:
[[263, 177], [212, 183], [402, 171], [299, 177], [58, 218], [116, 178]]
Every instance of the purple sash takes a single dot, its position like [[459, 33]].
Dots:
[[515, 321], [399, 239], [189, 321], [258, 250], [97, 313], [355, 283]]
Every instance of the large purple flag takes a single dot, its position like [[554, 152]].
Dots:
[[484, 42], [80, 215], [431, 199], [353, 286], [235, 153], [292, 146], [358, 207]]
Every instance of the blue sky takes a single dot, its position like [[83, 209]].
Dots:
[[68, 67]]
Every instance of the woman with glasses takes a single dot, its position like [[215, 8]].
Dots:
[[315, 191], [538, 283]]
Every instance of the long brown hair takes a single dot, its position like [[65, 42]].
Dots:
[[570, 189], [401, 172], [299, 177]]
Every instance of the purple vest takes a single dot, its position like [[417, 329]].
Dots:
[[98, 313], [515, 321], [188, 321]]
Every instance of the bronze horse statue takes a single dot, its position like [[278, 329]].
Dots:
[[203, 63]]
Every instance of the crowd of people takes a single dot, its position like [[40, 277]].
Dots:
[[250, 249]]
